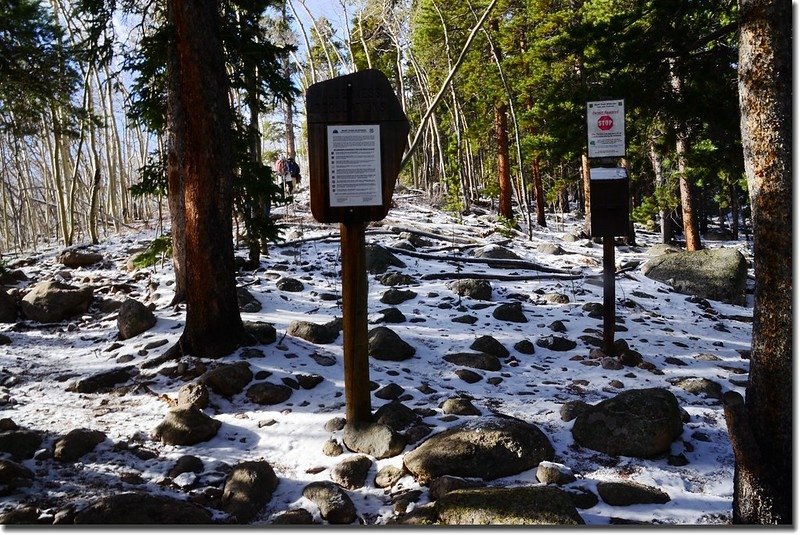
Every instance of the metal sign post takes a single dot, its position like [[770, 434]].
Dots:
[[357, 133], [609, 201]]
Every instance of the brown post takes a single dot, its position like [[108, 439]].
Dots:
[[354, 305], [609, 307]]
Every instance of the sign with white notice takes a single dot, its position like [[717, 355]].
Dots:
[[354, 165], [605, 127]]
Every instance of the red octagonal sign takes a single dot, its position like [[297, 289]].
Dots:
[[605, 122]]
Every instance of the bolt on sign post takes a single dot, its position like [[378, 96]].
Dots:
[[608, 197], [357, 133]]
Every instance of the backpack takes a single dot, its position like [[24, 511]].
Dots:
[[281, 167], [294, 169]]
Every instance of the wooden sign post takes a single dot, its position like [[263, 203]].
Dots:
[[357, 133], [608, 197]]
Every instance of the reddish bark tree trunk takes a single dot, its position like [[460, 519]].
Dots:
[[213, 324], [761, 429], [503, 167], [539, 190], [586, 182]]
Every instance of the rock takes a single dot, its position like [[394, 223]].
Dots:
[[593, 310], [480, 361], [102, 381], [248, 489], [13, 474], [558, 326], [193, 395], [397, 279], [444, 484], [460, 407], [8, 308], [621, 493], [548, 472], [288, 284], [556, 343], [378, 259], [385, 344], [335, 424], [227, 380], [141, 508], [557, 298], [332, 448], [396, 415], [53, 301], [498, 252], [352, 472], [719, 274], [637, 423], [390, 391], [550, 248], [76, 444], [583, 498], [472, 288], [26, 514], [510, 312], [268, 393], [334, 504], [405, 245], [388, 476], [391, 315], [468, 376], [263, 332], [572, 409], [20, 444], [307, 381], [293, 517], [315, 333], [186, 463], [185, 426], [75, 258], [541, 505], [488, 344], [415, 433], [247, 302], [394, 296], [487, 447], [375, 439], [720, 234], [525, 347], [699, 386], [7, 424], [133, 319]]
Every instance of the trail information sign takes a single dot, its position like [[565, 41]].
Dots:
[[605, 127], [357, 133]]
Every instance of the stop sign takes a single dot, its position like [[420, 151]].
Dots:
[[605, 122]]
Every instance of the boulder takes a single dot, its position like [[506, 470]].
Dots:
[[393, 296], [293, 517], [550, 248], [352, 472], [53, 301], [699, 386], [102, 381], [12, 473], [288, 284], [378, 259], [248, 489], [556, 343], [460, 407], [488, 447], [8, 307], [510, 312], [185, 426], [396, 415], [386, 477], [76, 444], [719, 274], [261, 331], [227, 380], [133, 319], [480, 361], [541, 505], [20, 444], [621, 493], [548, 472], [637, 423], [193, 395], [397, 279], [490, 345], [141, 508], [186, 464], [385, 344], [314, 332], [334, 504], [247, 302], [472, 288], [444, 484], [268, 393], [375, 439], [497, 252], [75, 258]]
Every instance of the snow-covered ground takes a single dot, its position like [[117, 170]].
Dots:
[[669, 331]]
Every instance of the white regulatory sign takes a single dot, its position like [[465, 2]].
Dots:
[[354, 165], [605, 125]]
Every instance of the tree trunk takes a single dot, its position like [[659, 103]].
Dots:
[[763, 488], [690, 229], [213, 324], [503, 171], [175, 179], [539, 191], [663, 212], [587, 189], [734, 203]]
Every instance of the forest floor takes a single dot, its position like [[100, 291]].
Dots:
[[671, 331]]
